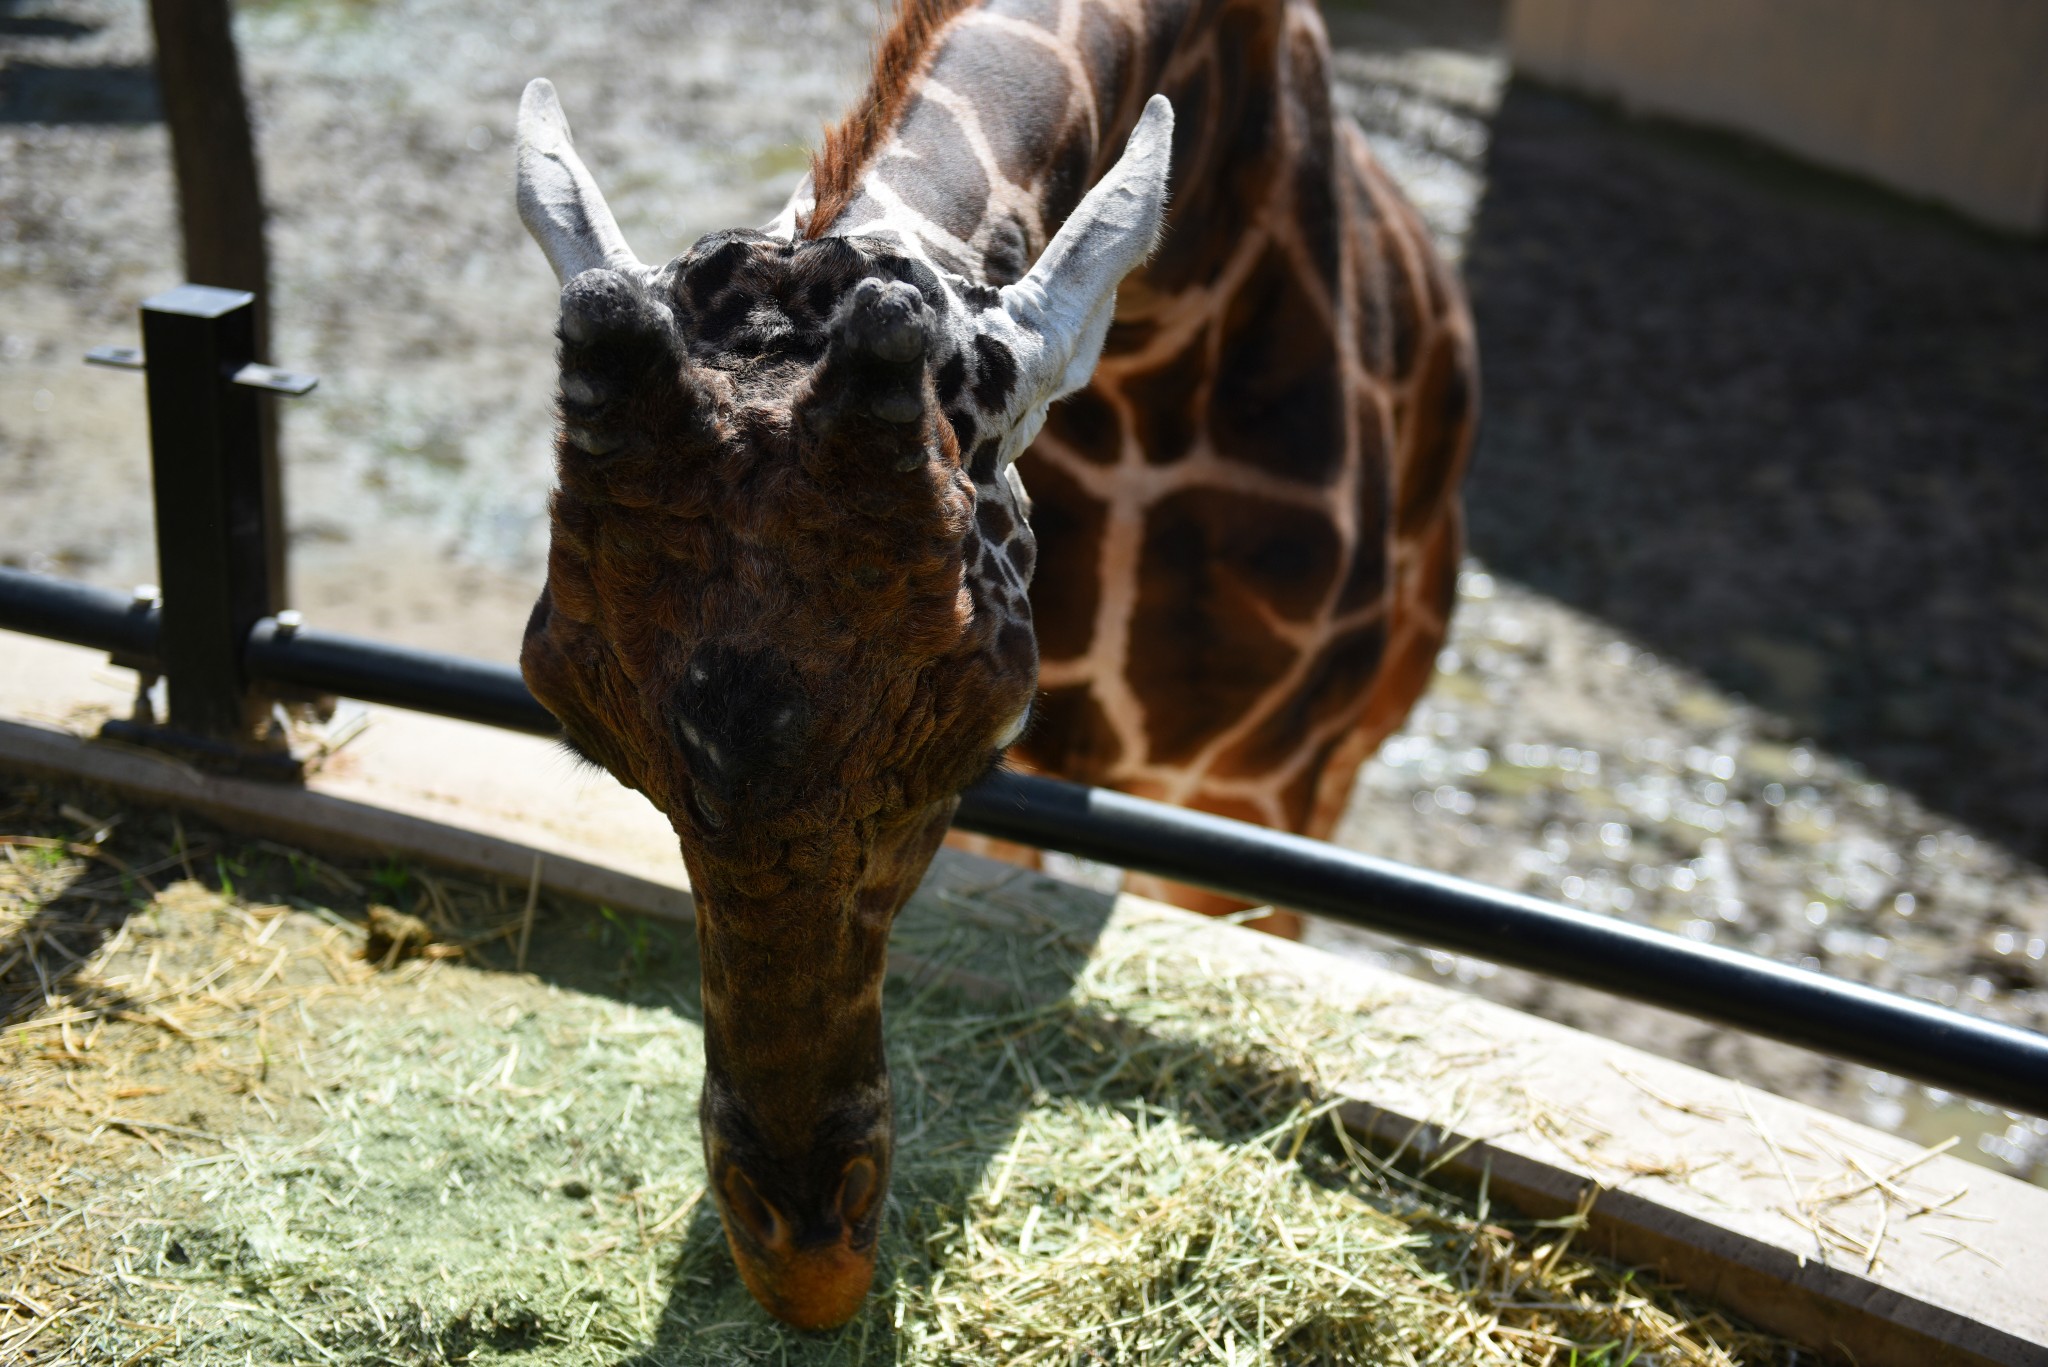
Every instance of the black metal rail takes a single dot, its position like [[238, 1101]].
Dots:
[[220, 645], [80, 614], [1846, 1020], [378, 671]]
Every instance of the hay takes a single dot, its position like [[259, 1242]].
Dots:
[[228, 1135]]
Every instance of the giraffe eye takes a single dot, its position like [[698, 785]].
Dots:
[[1015, 729]]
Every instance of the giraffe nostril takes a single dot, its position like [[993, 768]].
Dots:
[[708, 814], [745, 1204], [858, 1190]]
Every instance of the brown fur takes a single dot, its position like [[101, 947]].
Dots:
[[848, 150]]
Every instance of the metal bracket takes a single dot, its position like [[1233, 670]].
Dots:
[[116, 357], [255, 375], [272, 380]]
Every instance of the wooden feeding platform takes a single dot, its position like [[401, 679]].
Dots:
[[236, 1124]]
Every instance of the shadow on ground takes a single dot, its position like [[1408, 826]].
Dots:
[[15, 24], [34, 93], [1783, 428], [56, 93], [39, 92]]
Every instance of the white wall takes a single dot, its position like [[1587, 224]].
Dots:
[[1946, 99]]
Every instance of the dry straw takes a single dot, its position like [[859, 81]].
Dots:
[[228, 1136]]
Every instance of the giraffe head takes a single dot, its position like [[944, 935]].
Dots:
[[786, 601]]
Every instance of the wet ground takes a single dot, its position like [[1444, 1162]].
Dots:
[[1753, 643]]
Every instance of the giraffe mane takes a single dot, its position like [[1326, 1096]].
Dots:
[[849, 149]]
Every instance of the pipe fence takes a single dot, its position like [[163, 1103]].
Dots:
[[223, 653]]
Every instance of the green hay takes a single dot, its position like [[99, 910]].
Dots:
[[228, 1138]]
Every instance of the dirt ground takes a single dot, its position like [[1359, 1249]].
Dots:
[[1752, 643], [248, 1112]]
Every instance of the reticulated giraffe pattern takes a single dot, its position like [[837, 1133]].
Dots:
[[1247, 523]]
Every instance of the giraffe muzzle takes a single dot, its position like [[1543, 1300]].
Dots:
[[811, 1273]]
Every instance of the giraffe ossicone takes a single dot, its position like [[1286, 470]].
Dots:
[[795, 590], [558, 201], [1052, 322]]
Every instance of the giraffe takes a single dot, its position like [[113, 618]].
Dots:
[[797, 593]]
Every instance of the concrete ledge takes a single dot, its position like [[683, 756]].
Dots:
[[1856, 1243]]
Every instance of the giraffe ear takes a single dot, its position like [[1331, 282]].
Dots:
[[1066, 301], [559, 202]]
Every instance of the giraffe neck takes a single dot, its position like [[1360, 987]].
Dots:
[[1249, 514], [1019, 109]]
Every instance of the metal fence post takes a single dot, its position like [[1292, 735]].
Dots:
[[212, 539], [216, 538]]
